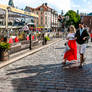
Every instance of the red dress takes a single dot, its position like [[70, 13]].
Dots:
[[72, 53], [91, 35]]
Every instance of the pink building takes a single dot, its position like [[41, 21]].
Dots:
[[48, 17]]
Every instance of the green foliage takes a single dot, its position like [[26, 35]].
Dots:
[[74, 18], [4, 46]]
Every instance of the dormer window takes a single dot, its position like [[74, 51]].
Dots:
[[41, 9]]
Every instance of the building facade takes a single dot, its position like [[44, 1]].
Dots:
[[48, 17], [54, 21], [87, 20]]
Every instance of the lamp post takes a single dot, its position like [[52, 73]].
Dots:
[[7, 13], [6, 20], [67, 18], [6, 23], [66, 26], [30, 47]]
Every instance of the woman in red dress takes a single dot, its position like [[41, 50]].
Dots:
[[71, 46]]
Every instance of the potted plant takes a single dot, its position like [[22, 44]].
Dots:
[[4, 47]]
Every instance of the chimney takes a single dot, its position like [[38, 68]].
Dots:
[[46, 4]]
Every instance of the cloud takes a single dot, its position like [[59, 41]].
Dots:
[[84, 0], [56, 4], [76, 6], [4, 2], [85, 10], [61, 4], [89, 3]]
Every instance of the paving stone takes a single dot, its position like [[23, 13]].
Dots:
[[42, 72], [52, 90]]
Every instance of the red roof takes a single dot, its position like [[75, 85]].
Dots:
[[44, 6]]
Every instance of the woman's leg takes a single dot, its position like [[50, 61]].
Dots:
[[91, 39], [81, 60], [64, 62]]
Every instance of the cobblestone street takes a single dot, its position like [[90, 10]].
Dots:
[[42, 72]]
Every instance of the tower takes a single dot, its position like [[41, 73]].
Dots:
[[77, 11], [62, 12], [11, 3]]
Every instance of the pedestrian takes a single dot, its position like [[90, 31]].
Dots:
[[71, 46], [81, 37], [91, 34], [87, 28]]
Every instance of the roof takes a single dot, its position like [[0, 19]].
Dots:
[[90, 14], [31, 9], [44, 6], [5, 7]]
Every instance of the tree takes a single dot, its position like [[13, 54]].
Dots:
[[74, 18]]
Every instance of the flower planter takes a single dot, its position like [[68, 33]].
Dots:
[[4, 47], [4, 55]]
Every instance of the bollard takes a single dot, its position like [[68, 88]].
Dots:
[[43, 38], [30, 46], [45, 41], [5, 39]]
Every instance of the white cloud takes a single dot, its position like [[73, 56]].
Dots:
[[75, 6], [85, 10], [85, 0], [4, 2], [89, 3], [61, 4]]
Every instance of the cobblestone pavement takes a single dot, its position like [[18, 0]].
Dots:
[[42, 72]]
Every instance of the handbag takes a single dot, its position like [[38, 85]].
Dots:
[[67, 48]]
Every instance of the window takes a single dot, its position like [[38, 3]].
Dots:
[[37, 13], [41, 13], [32, 20], [46, 13], [37, 22], [41, 20], [46, 20], [41, 9]]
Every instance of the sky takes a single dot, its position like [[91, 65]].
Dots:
[[81, 5]]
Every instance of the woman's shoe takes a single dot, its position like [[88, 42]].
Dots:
[[63, 63], [80, 66]]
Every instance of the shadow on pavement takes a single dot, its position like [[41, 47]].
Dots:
[[60, 48], [50, 78]]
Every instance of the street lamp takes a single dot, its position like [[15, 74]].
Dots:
[[67, 18], [7, 15], [90, 21]]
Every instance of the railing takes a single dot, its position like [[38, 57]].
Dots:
[[25, 44]]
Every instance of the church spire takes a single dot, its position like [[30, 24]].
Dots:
[[11, 3]]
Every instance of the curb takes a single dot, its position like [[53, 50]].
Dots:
[[5, 63]]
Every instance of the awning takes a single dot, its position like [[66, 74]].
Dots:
[[4, 7]]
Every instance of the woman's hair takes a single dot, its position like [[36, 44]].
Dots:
[[72, 29]]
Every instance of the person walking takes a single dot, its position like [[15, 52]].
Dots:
[[90, 34], [71, 46], [81, 37], [86, 28]]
